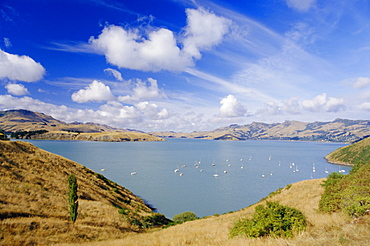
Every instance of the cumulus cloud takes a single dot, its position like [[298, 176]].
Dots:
[[203, 31], [157, 49], [144, 91], [361, 82], [231, 107], [16, 89], [301, 5], [324, 103], [152, 111], [21, 68], [96, 91], [114, 73]]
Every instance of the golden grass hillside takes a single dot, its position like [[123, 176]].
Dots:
[[33, 200], [325, 229]]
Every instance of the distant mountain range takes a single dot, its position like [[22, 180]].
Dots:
[[339, 130], [33, 125]]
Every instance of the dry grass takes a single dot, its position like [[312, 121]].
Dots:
[[33, 200], [324, 229]]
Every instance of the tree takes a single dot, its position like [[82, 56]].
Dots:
[[72, 197]]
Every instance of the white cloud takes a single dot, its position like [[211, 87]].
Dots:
[[203, 31], [96, 91], [291, 106], [153, 111], [231, 107], [364, 106], [16, 89], [361, 82], [21, 68], [144, 91], [157, 49], [301, 5], [324, 103], [114, 73]]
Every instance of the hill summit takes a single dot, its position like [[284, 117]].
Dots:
[[26, 124], [339, 130]]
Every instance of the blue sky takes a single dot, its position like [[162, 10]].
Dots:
[[183, 65]]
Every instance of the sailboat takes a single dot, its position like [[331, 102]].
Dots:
[[313, 167], [216, 174], [326, 170]]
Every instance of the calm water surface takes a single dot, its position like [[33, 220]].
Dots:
[[240, 166]]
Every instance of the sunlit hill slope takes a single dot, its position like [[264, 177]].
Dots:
[[33, 200]]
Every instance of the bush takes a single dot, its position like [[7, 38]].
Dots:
[[185, 216], [273, 220]]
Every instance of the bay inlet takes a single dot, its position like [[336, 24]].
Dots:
[[203, 176]]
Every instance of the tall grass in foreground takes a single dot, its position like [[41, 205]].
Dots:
[[324, 229]]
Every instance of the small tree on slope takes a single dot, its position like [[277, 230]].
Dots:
[[72, 197]]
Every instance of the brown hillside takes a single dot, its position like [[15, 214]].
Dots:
[[24, 120], [33, 200], [325, 229]]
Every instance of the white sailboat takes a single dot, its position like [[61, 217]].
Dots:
[[216, 174]]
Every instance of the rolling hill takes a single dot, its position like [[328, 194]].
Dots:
[[339, 130], [34, 125], [34, 208]]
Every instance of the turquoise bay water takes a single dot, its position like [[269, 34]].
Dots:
[[194, 187]]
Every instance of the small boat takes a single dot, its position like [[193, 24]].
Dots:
[[181, 174], [241, 167], [176, 170], [103, 169], [326, 170], [215, 175], [262, 175], [225, 171], [133, 173]]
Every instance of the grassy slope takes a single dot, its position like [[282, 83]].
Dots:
[[358, 152], [325, 229], [33, 200]]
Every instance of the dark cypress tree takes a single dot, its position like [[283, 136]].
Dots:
[[72, 197]]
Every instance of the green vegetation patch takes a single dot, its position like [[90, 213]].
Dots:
[[357, 153], [274, 220], [348, 193]]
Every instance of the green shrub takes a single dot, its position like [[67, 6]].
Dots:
[[185, 216], [274, 220], [72, 197]]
